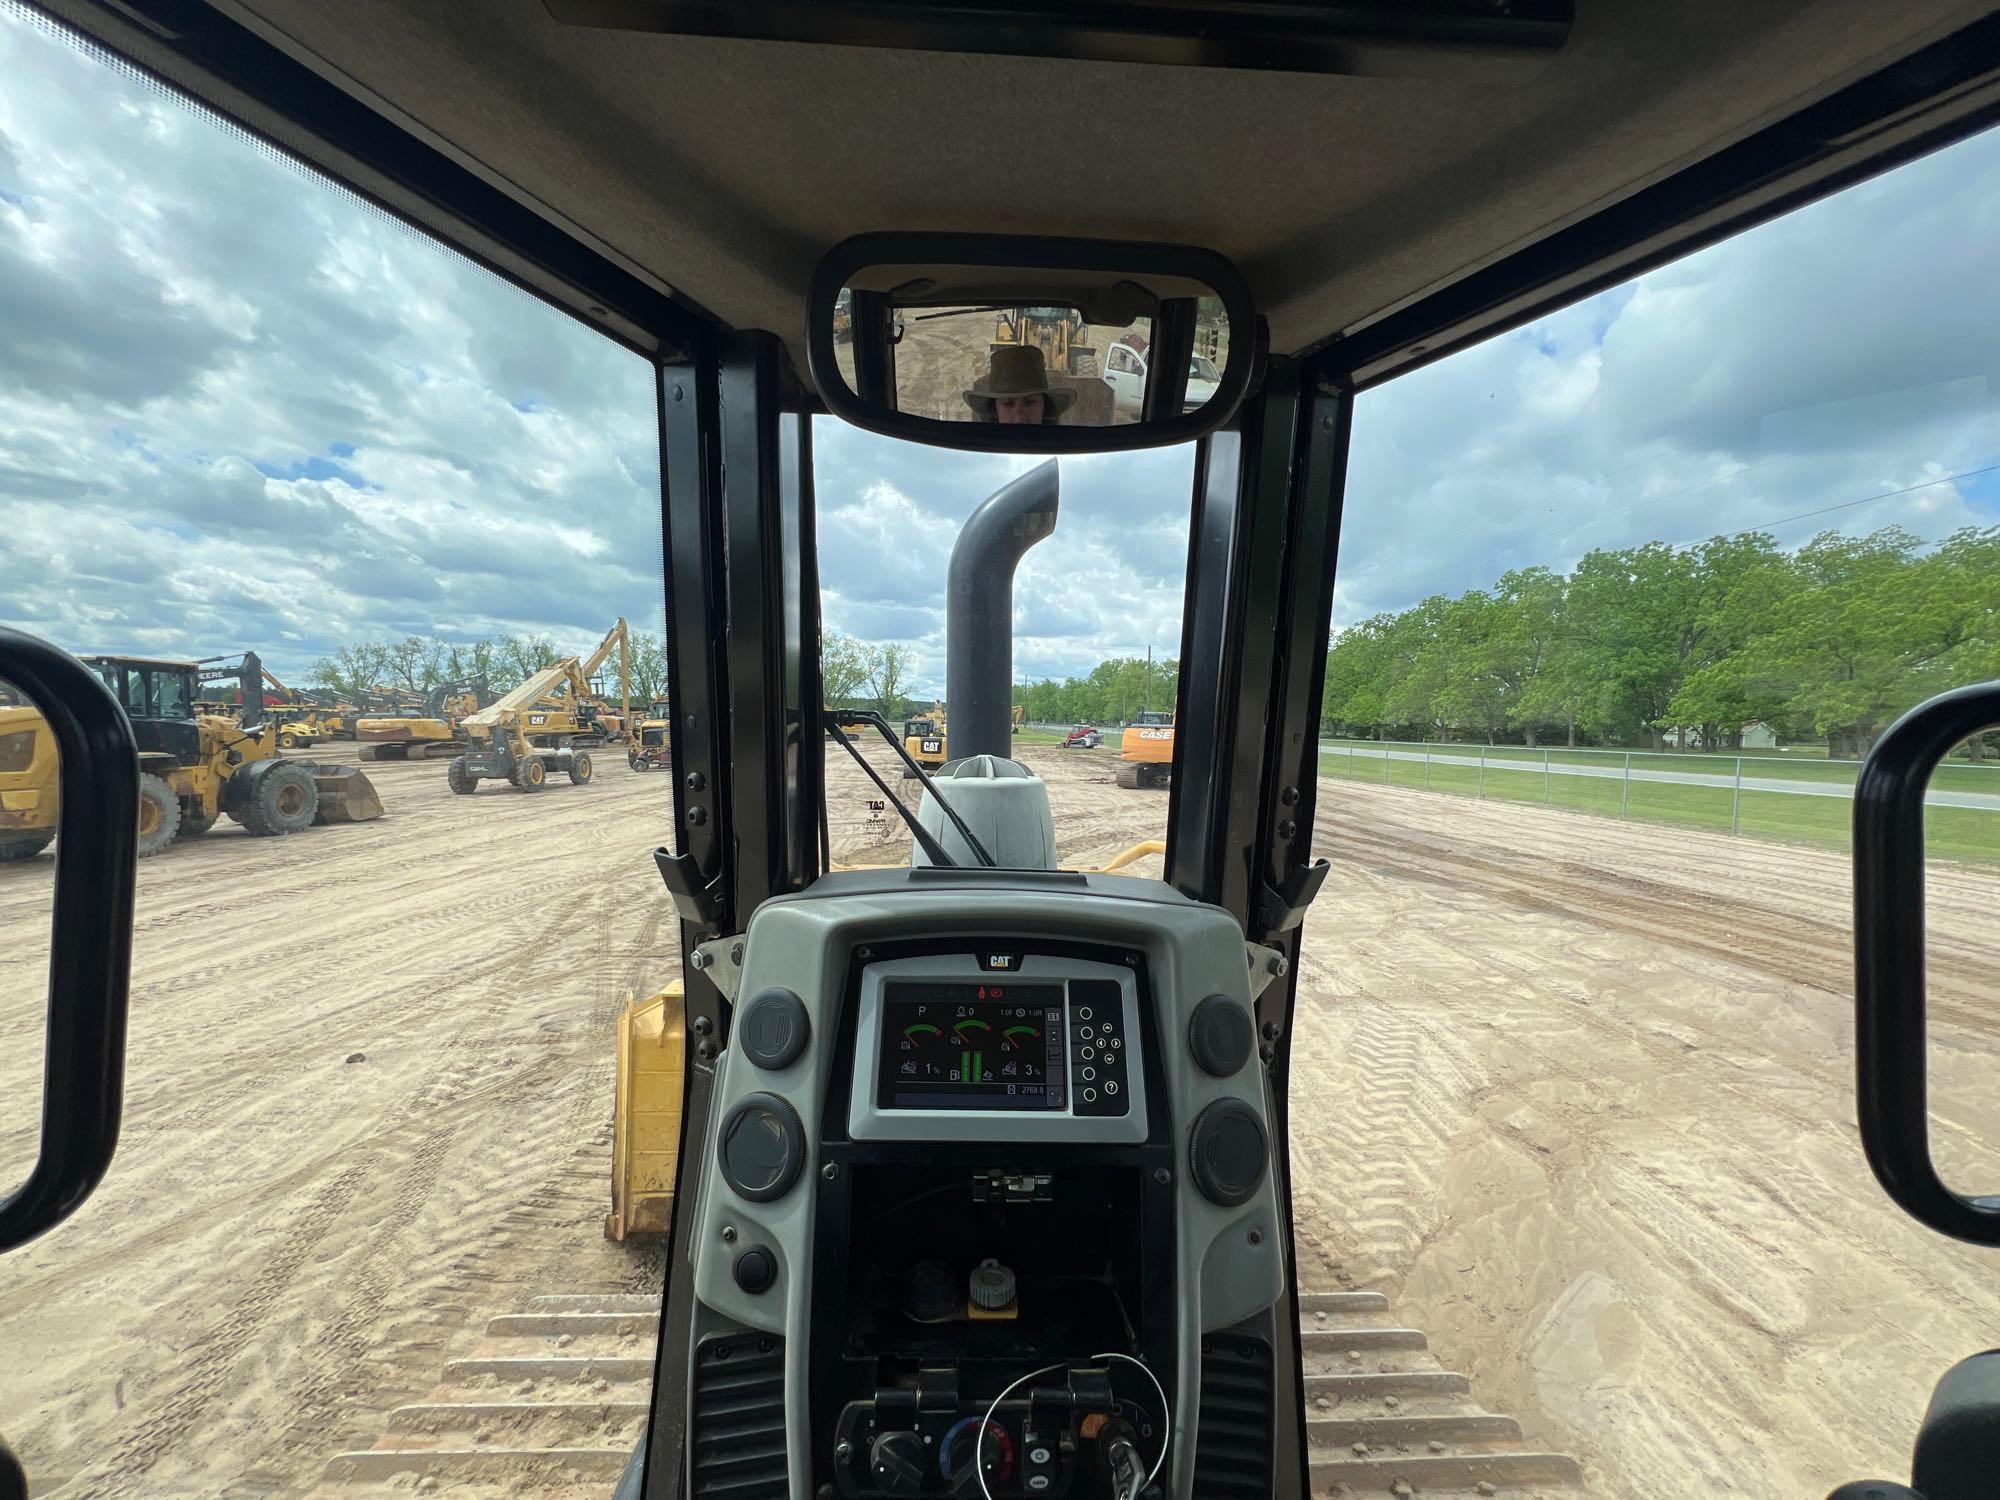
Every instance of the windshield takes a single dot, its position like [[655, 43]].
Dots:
[[1624, 596], [1095, 610], [371, 1059]]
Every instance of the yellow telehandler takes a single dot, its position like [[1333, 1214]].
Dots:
[[544, 726]]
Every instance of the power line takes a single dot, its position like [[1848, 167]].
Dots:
[[1828, 510]]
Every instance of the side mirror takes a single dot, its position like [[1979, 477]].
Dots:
[[90, 949], [1891, 1067], [1002, 344]]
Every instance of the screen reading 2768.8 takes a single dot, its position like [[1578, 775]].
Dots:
[[971, 1045]]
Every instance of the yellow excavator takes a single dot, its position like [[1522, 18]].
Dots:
[[542, 727], [431, 730]]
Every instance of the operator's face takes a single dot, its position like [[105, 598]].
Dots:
[[1019, 408]]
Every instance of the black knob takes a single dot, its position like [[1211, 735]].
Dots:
[[1220, 1035], [756, 1269], [897, 1463], [773, 1028], [1226, 1152], [763, 1147]]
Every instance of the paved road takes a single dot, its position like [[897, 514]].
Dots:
[[1981, 801]]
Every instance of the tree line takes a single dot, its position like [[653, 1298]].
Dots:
[[420, 663], [1831, 642]]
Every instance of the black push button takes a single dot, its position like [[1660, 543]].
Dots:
[[1226, 1152], [763, 1147], [756, 1269], [773, 1029], [1220, 1034]]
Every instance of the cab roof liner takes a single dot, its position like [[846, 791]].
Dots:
[[652, 181]]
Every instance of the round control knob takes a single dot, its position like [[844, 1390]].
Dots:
[[1227, 1152], [992, 1285], [1220, 1034], [773, 1029], [896, 1463], [763, 1147], [756, 1269]]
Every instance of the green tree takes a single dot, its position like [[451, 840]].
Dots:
[[843, 668], [648, 668], [351, 670], [521, 656], [888, 664]]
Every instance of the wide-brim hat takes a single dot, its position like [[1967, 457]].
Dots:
[[1017, 370]]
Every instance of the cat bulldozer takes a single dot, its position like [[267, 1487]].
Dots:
[[194, 767], [544, 727], [975, 1172], [926, 738]]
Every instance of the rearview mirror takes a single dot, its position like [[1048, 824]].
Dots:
[[1021, 345]]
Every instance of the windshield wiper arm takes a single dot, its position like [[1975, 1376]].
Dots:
[[837, 719]]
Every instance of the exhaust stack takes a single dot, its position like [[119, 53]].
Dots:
[[979, 610]]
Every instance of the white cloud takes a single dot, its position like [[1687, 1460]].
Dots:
[[239, 409]]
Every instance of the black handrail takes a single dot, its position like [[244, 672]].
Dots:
[[90, 944], [1891, 1066]]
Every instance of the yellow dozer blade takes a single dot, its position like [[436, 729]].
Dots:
[[345, 795], [646, 1114]]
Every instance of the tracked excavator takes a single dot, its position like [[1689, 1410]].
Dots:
[[975, 1171], [434, 729], [546, 726]]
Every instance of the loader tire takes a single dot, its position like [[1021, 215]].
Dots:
[[580, 769], [459, 779], [25, 845], [159, 814], [531, 775], [193, 825], [284, 800]]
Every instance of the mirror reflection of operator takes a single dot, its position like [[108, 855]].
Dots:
[[1016, 389]]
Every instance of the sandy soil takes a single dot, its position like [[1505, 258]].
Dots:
[[1575, 1094]]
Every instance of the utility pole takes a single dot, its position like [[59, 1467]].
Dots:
[[1149, 675]]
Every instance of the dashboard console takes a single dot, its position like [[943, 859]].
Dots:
[[986, 1205]]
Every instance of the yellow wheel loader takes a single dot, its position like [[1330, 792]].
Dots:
[[193, 767], [27, 783]]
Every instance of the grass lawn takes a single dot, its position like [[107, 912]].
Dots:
[[1960, 777], [1950, 832]]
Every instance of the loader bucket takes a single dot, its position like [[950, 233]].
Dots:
[[345, 795]]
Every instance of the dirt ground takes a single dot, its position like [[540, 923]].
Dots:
[[1574, 1093]]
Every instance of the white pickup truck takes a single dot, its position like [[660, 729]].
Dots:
[[1125, 373]]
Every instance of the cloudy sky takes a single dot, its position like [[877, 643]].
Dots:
[[241, 409]]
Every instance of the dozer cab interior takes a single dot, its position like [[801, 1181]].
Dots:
[[982, 1180]]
